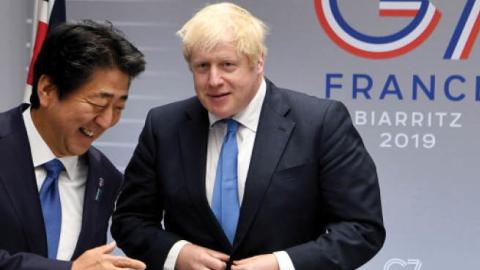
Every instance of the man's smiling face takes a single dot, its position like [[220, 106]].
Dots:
[[225, 81], [71, 124]]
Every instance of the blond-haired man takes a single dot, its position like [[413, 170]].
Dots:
[[247, 175]]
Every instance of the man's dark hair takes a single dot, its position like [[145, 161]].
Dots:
[[72, 52]]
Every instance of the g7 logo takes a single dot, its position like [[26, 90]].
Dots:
[[425, 19], [402, 263]]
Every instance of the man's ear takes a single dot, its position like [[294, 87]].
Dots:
[[46, 90], [260, 64]]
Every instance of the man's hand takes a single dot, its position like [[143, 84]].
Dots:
[[260, 262], [100, 259], [193, 257]]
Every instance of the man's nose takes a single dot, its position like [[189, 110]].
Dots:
[[215, 77], [107, 118]]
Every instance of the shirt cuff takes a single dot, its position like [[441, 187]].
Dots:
[[173, 255], [284, 261]]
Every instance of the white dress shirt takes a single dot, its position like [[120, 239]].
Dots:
[[71, 185], [248, 120]]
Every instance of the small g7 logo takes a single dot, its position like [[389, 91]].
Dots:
[[395, 261]]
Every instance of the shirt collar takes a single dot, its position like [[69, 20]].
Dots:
[[250, 116], [40, 151]]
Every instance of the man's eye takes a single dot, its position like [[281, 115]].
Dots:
[[201, 66], [97, 105], [229, 66]]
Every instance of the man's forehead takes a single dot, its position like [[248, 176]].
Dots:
[[221, 49]]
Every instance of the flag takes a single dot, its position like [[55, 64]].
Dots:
[[47, 14]]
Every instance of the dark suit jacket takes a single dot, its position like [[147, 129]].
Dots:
[[23, 242], [311, 188]]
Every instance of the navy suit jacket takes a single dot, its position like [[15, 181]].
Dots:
[[311, 188], [23, 242]]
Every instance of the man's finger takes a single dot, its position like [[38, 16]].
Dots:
[[125, 262], [130, 263], [218, 255], [244, 261], [214, 263], [106, 249]]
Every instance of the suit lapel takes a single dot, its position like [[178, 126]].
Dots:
[[193, 144], [20, 183], [90, 205], [272, 136]]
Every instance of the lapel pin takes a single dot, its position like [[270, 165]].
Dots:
[[98, 194]]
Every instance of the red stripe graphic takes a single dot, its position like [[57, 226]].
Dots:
[[398, 12], [471, 39]]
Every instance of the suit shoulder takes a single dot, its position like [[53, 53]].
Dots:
[[167, 118], [308, 104], [174, 108], [95, 155], [11, 120]]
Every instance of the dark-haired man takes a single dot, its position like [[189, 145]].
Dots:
[[57, 191]]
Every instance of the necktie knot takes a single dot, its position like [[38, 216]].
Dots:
[[54, 167], [232, 125]]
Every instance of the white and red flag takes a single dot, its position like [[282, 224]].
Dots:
[[47, 14]]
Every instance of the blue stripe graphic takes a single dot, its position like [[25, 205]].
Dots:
[[379, 39], [459, 29]]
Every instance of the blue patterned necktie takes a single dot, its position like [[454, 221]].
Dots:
[[51, 206], [225, 202]]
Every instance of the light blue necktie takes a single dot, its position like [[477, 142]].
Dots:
[[225, 202], [51, 206]]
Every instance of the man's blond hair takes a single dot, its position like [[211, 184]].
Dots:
[[224, 22]]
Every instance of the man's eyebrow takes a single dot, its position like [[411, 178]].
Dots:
[[105, 95], [109, 95]]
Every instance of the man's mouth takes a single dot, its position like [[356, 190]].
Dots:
[[219, 95], [87, 132]]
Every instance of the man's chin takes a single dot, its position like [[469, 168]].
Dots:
[[221, 112], [79, 150], [223, 115]]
